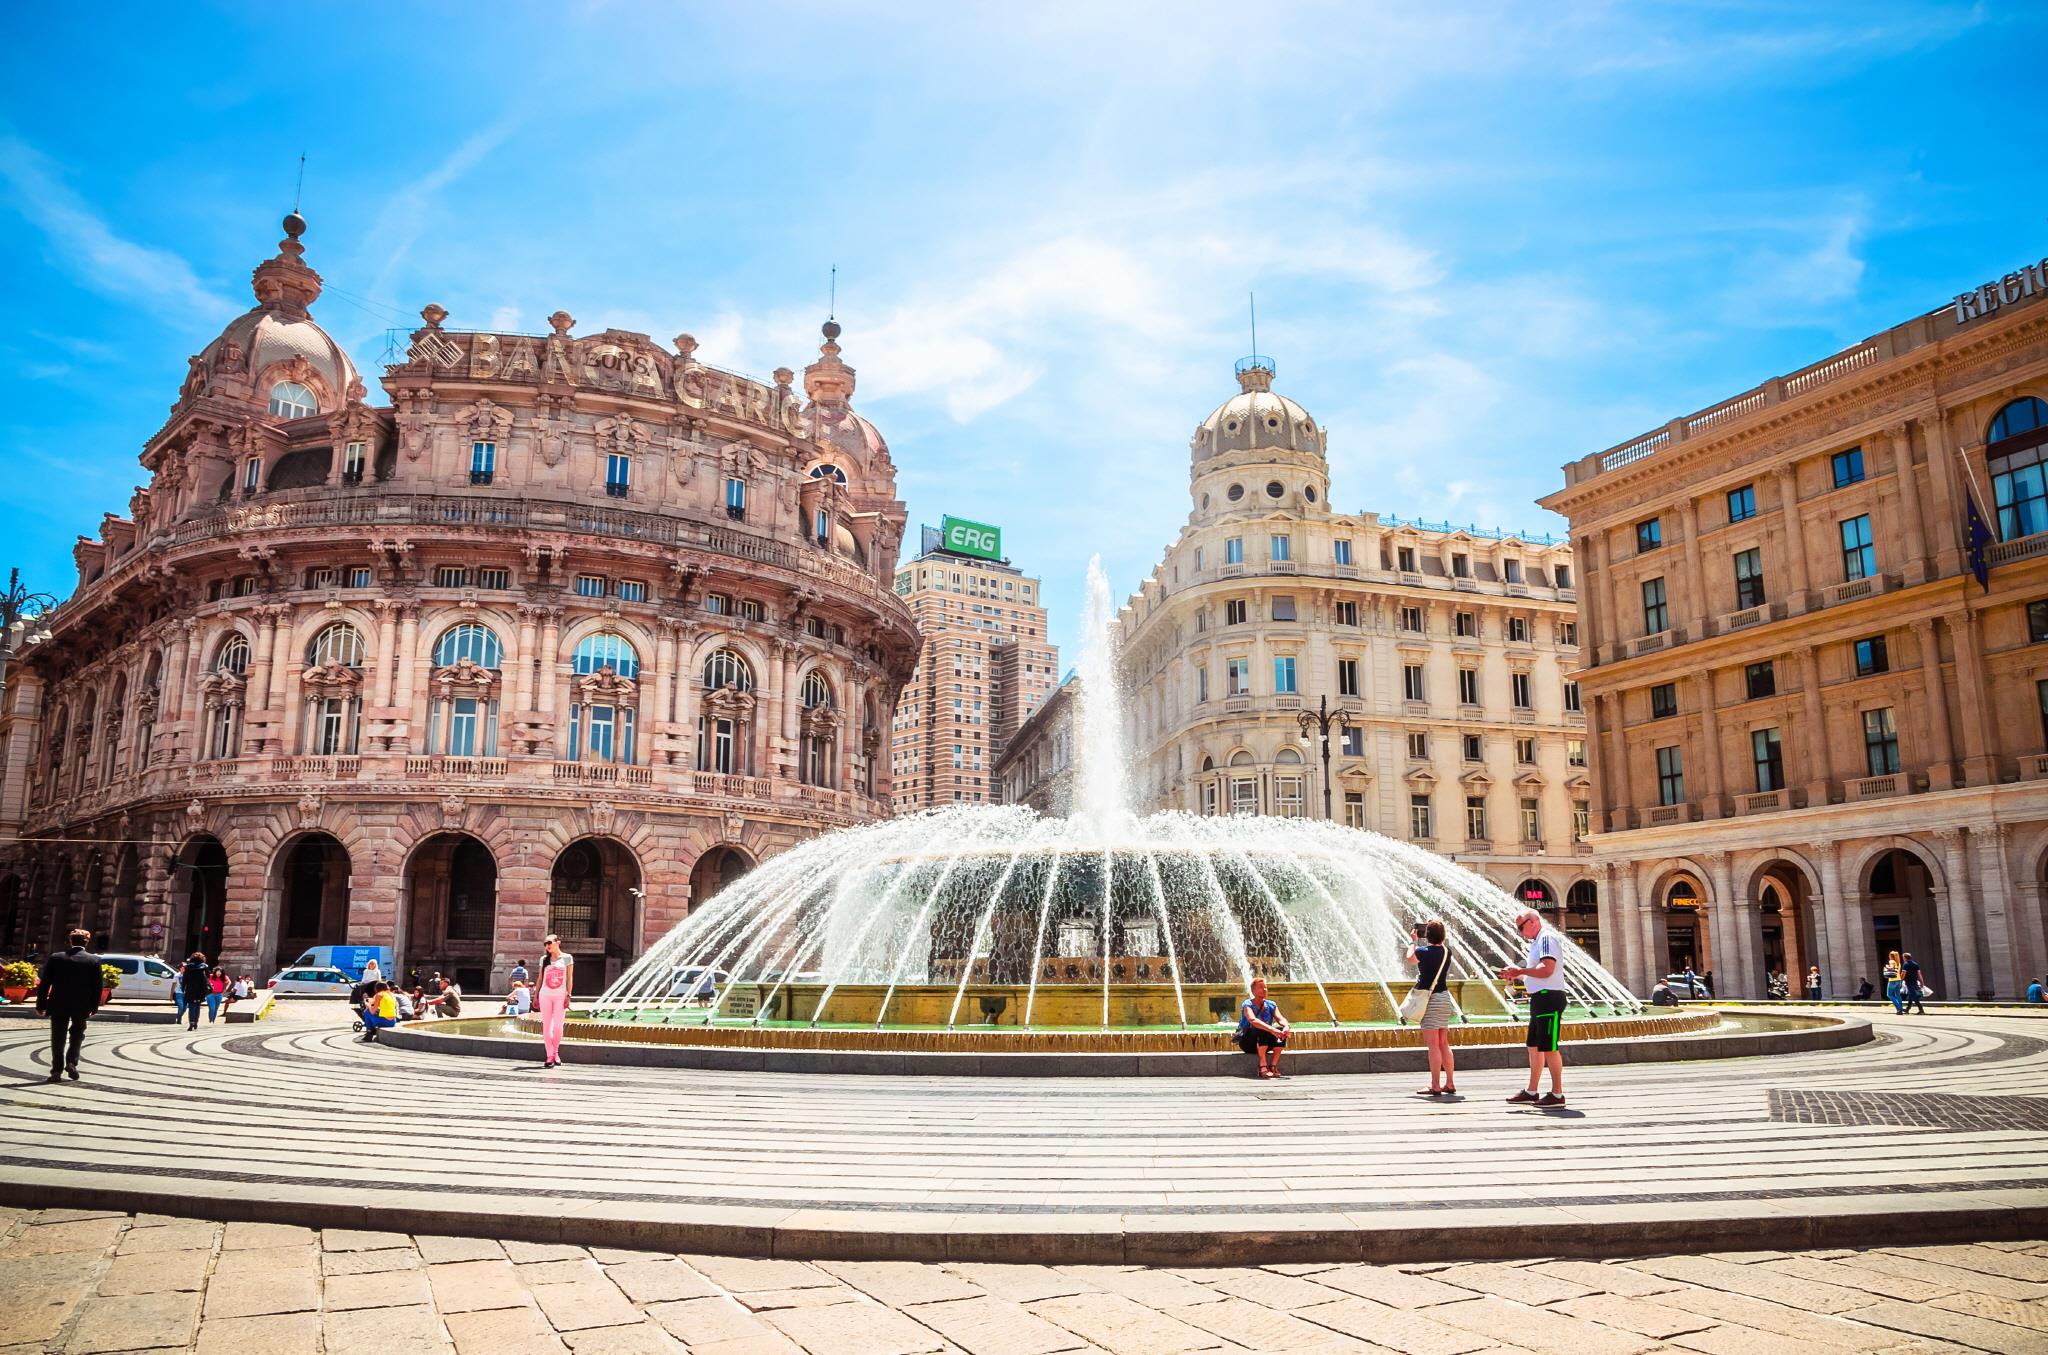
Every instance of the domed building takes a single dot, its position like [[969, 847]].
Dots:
[[572, 631], [1450, 652]]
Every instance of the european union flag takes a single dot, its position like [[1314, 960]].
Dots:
[[1977, 540]]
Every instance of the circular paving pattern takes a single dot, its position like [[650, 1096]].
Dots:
[[1943, 1117]]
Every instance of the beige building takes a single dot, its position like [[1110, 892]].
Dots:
[[1452, 650], [562, 638], [985, 667], [1817, 738], [1037, 763]]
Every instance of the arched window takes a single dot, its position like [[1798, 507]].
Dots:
[[814, 766], [828, 471], [478, 644], [339, 643], [727, 669], [2015, 446], [233, 656], [606, 649], [290, 400], [815, 692], [1582, 897]]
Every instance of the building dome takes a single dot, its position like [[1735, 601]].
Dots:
[[278, 342], [1257, 419]]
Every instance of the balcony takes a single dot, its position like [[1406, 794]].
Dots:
[[480, 477], [616, 490], [1741, 620], [2019, 548], [1857, 589], [316, 768], [2034, 767], [1650, 644], [1662, 815], [1763, 802], [454, 768], [603, 774], [1880, 787]]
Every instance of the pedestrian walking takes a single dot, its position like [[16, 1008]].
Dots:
[[216, 990], [1432, 956], [1542, 974], [1909, 972], [556, 973], [69, 993], [194, 987], [1895, 984], [1813, 983]]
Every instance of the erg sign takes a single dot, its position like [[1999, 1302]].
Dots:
[[971, 538], [2006, 290]]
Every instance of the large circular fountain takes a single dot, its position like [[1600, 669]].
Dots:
[[990, 919]]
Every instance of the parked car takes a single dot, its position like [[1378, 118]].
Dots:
[[328, 982], [142, 976], [1696, 987], [697, 983], [349, 960]]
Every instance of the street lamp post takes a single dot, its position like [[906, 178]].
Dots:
[[1319, 721], [16, 604]]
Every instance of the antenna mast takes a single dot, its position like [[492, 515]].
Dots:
[[1254, 299], [832, 306], [299, 190]]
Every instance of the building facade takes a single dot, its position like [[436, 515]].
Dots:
[[1454, 653], [568, 634], [984, 668], [1818, 737], [1037, 763]]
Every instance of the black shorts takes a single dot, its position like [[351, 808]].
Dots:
[[1546, 1019], [1251, 1037]]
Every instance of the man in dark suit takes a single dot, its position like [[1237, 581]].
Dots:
[[69, 994]]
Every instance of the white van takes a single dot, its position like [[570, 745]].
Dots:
[[142, 977]]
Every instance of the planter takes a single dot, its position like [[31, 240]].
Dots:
[[15, 994]]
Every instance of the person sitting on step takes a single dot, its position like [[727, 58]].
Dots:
[[1262, 1030]]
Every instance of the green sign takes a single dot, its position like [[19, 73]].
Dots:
[[971, 538]]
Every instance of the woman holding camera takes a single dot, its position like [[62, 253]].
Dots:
[[1432, 958]]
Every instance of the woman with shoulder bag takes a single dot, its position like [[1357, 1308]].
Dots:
[[1431, 1005]]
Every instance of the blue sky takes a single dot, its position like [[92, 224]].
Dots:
[[1485, 239]]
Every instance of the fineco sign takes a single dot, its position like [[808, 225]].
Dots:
[[971, 538], [2006, 290]]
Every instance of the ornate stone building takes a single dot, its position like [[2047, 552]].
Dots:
[[1453, 650], [1818, 737], [571, 632]]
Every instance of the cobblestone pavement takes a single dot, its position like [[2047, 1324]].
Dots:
[[80, 1282], [1943, 1114]]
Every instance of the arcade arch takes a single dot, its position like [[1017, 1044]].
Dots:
[[451, 910], [594, 905], [309, 896]]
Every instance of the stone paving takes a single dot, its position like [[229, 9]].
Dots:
[[1941, 1118], [77, 1282]]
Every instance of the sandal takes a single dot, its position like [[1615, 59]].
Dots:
[[1450, 1090], [1430, 1092]]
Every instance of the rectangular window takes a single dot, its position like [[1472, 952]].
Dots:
[[494, 578], [1411, 682], [1468, 686], [1511, 570], [1518, 686], [1209, 799], [718, 604], [590, 585], [1461, 566], [1354, 741], [1848, 467], [1465, 624], [462, 722], [353, 458], [1742, 503], [1663, 701], [821, 530], [1582, 821], [1406, 557], [1525, 752], [1354, 809], [1656, 614], [1532, 822], [1283, 609], [618, 475], [1568, 634], [483, 462], [1649, 534], [1234, 612], [2037, 621], [1471, 748], [1475, 817], [1880, 741], [1859, 556], [1282, 548], [1283, 675], [1670, 776], [1233, 551], [1418, 816], [2019, 492], [330, 726], [1575, 752], [1769, 758], [632, 590], [252, 474], [450, 576], [2041, 700], [319, 578], [1287, 797], [1202, 684], [1340, 551], [1411, 619], [1418, 745], [1347, 677], [1240, 671], [1749, 578], [1244, 795], [1760, 680], [1518, 630], [1347, 613], [359, 577], [1198, 559], [1571, 697], [736, 500], [1564, 577], [1871, 656]]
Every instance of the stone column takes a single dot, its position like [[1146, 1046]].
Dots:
[[2027, 929], [1695, 577], [1794, 537], [1820, 761], [688, 682], [269, 620], [387, 652], [1614, 778], [1731, 970], [1946, 480], [1715, 804], [1979, 764], [550, 661], [1941, 752], [1615, 948], [2001, 978], [175, 682], [523, 662], [1650, 957], [1609, 610], [1956, 913], [664, 680], [191, 655], [1833, 955], [1901, 443], [403, 661]]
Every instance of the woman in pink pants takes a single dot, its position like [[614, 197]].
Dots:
[[555, 967]]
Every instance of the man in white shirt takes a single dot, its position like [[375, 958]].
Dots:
[[1542, 974]]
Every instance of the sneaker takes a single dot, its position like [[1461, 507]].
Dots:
[[56, 1076], [1550, 1101], [1522, 1099], [71, 1073]]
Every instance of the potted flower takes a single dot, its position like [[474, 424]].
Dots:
[[110, 979], [17, 980]]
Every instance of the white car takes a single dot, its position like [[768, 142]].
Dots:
[[697, 984], [328, 982], [142, 976]]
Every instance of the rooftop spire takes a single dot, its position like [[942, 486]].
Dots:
[[283, 282], [828, 380]]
